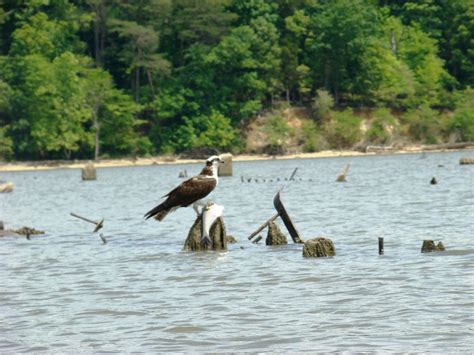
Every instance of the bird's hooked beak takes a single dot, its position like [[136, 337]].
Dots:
[[220, 161]]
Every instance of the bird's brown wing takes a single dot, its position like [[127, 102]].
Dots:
[[190, 191]]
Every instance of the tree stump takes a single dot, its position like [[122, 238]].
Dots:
[[88, 172], [318, 247], [217, 233], [6, 186], [275, 235], [430, 246], [466, 161], [226, 168]]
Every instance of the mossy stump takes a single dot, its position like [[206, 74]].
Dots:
[[318, 247], [88, 172], [275, 236], [430, 246], [217, 234]]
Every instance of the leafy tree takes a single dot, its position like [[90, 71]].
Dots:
[[463, 121], [341, 31]]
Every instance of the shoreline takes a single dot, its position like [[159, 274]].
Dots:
[[167, 160]]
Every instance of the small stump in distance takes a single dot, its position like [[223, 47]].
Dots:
[[430, 246], [466, 161], [318, 247], [275, 235], [217, 234], [433, 181], [88, 172], [225, 169]]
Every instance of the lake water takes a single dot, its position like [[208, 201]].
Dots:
[[67, 291]]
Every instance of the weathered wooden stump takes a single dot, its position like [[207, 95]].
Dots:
[[225, 169], [430, 246], [318, 247], [433, 181], [217, 234], [89, 172], [466, 161], [275, 235]]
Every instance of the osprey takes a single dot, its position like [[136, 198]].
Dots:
[[190, 191]]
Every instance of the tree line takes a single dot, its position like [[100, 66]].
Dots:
[[84, 78]]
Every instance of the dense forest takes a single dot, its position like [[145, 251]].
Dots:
[[91, 78]]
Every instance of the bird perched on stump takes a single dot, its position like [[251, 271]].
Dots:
[[190, 192]]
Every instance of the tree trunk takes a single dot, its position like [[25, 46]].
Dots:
[[97, 133], [136, 83]]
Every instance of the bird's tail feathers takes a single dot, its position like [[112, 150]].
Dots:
[[159, 212]]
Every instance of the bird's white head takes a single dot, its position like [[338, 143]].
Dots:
[[212, 163]]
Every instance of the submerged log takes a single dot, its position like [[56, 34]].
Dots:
[[27, 231], [430, 246], [318, 247], [275, 235]]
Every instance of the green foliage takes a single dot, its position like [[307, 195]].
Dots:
[[463, 120], [278, 133], [118, 125], [382, 127], [422, 124], [322, 104], [343, 129], [184, 74], [6, 144], [310, 136]]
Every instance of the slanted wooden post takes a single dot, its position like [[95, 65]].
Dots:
[[342, 175]]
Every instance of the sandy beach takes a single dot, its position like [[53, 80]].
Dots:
[[159, 160]]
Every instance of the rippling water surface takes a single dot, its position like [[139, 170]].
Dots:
[[66, 291]]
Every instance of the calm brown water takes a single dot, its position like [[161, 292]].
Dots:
[[67, 292]]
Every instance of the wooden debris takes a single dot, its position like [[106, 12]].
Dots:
[[380, 246], [27, 230], [293, 174], [263, 226], [98, 225], [342, 175], [433, 181], [275, 235], [183, 174], [259, 238], [286, 218], [318, 247], [103, 238], [430, 246]]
